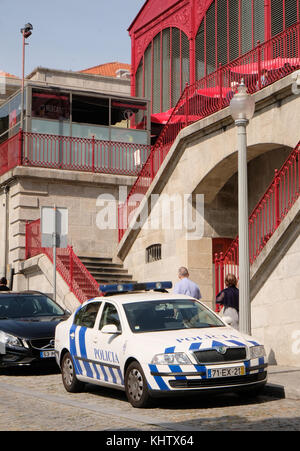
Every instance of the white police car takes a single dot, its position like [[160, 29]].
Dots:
[[152, 343]]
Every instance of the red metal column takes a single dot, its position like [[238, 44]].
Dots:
[[20, 153], [192, 41]]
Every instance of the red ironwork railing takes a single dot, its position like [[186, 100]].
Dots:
[[71, 153], [82, 154], [10, 153], [69, 266], [262, 66], [265, 218]]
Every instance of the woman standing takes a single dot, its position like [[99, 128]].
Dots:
[[229, 298]]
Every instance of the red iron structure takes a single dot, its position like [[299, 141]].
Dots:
[[69, 266], [179, 41]]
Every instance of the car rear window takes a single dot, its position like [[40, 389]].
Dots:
[[28, 305]]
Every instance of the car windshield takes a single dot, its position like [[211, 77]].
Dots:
[[28, 305], [177, 314]]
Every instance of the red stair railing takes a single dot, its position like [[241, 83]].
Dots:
[[69, 266], [270, 211]]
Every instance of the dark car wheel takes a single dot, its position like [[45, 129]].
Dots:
[[136, 386], [70, 381]]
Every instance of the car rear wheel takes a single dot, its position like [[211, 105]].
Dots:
[[70, 381], [136, 386]]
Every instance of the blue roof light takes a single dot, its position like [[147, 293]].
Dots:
[[125, 287]]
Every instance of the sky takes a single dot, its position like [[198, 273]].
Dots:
[[67, 34]]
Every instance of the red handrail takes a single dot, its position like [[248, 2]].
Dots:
[[262, 66], [69, 266]]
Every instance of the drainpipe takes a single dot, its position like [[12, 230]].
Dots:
[[4, 257]]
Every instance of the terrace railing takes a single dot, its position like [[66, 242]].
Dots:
[[71, 153], [69, 266], [262, 66]]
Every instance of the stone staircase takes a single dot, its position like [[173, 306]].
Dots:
[[105, 271]]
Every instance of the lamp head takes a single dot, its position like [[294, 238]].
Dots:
[[27, 30], [242, 104]]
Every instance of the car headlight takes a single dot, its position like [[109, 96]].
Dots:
[[176, 358], [8, 339], [257, 351]]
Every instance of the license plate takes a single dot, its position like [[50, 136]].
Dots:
[[225, 372], [47, 354]]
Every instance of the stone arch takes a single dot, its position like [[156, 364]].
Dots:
[[220, 186]]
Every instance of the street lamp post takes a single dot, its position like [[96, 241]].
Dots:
[[26, 32], [242, 107]]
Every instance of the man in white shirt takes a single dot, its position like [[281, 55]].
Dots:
[[185, 285]]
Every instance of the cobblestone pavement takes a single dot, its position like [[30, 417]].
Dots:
[[32, 400]]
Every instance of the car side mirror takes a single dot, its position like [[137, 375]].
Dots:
[[110, 329], [227, 320]]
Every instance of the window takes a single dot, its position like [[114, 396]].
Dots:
[[176, 314], [50, 105], [110, 316], [164, 69], [229, 29], [153, 253], [86, 316], [90, 110]]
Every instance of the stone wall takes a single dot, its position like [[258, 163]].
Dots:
[[275, 292], [33, 188]]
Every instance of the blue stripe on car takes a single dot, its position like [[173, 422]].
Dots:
[[195, 346], [158, 379], [247, 366], [238, 343], [114, 379], [177, 369], [83, 353], [73, 349], [201, 369], [261, 361], [170, 350], [104, 373]]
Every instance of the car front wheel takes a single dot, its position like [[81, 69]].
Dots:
[[136, 386], [70, 381]]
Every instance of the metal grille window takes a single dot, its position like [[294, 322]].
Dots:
[[259, 21], [247, 42], [233, 31], [153, 253], [222, 31], [200, 57], [291, 12], [165, 86], [156, 83], [166, 69], [276, 16], [210, 40], [231, 28]]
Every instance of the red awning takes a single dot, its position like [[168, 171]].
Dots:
[[161, 118], [214, 91]]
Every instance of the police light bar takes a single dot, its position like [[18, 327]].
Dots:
[[125, 287]]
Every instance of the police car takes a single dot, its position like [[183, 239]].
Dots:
[[148, 342]]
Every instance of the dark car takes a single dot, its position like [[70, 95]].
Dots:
[[27, 327]]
